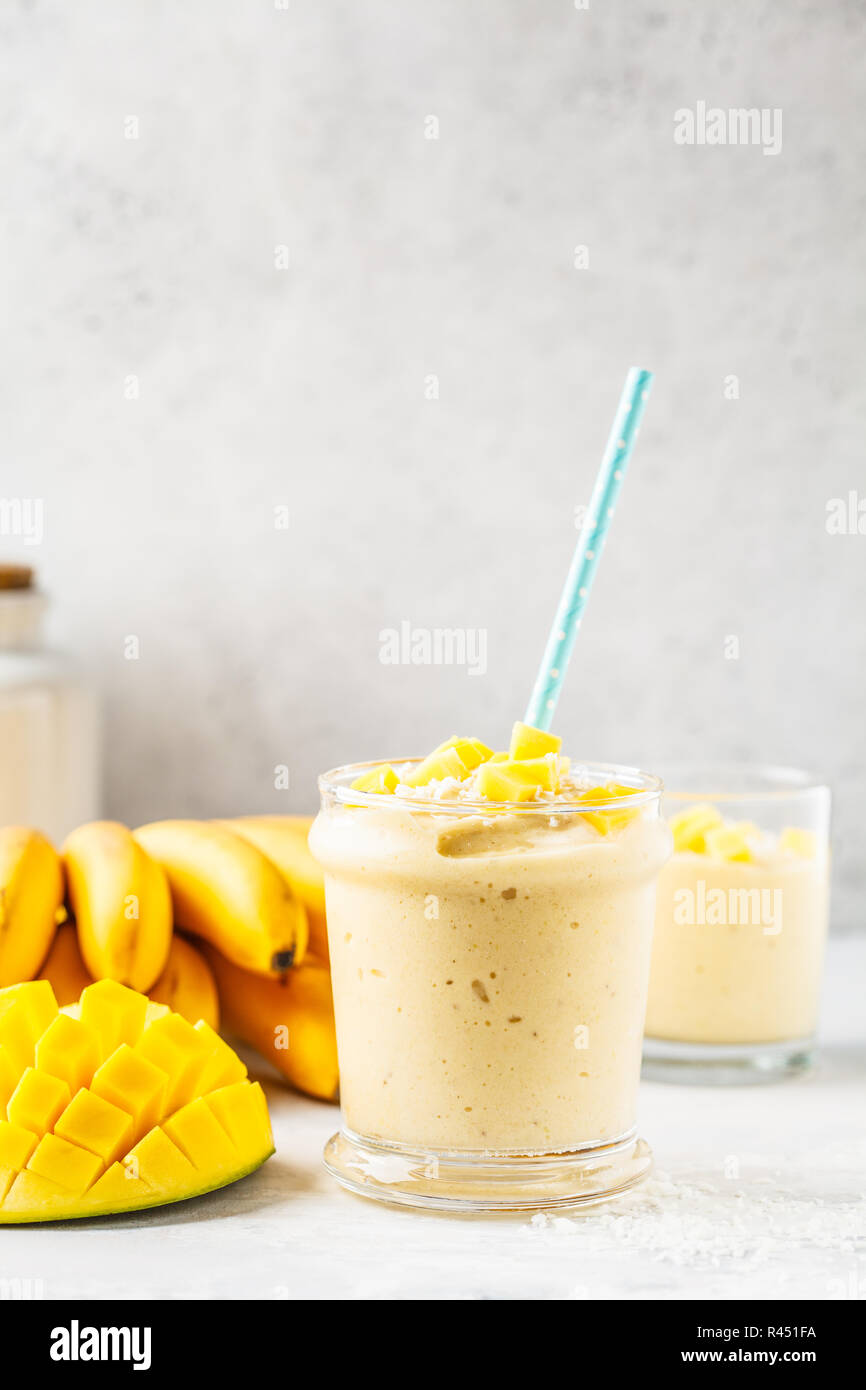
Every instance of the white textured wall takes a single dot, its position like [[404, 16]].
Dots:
[[305, 127]]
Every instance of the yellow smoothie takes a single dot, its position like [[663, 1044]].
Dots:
[[741, 922], [490, 959]]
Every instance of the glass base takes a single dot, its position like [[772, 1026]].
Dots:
[[455, 1182], [724, 1064]]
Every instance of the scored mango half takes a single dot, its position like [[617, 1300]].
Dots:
[[115, 1104]]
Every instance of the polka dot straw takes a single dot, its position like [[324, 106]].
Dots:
[[590, 544]]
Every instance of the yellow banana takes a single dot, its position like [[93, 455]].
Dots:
[[290, 1021], [187, 985], [64, 969], [31, 894], [229, 893], [284, 840], [121, 904]]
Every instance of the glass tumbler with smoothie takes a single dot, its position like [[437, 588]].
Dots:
[[490, 920], [741, 922]]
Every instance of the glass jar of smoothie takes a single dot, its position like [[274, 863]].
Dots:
[[741, 922], [490, 964]]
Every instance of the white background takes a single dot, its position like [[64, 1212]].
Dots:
[[409, 257]]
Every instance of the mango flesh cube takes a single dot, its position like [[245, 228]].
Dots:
[[116, 1014], [729, 842], [379, 779], [689, 827], [37, 1100], [70, 1050], [64, 1163], [95, 1124], [16, 1145], [26, 1011], [223, 1065], [9, 1074], [471, 751], [153, 1012], [7, 1177], [609, 820], [120, 1187], [436, 767], [803, 843], [173, 1045], [541, 772], [32, 1192], [133, 1084], [159, 1162], [497, 782], [241, 1110], [200, 1137], [527, 742]]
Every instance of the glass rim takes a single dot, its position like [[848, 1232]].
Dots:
[[336, 784], [776, 781]]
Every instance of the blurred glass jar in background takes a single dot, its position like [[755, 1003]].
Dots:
[[49, 720], [741, 923]]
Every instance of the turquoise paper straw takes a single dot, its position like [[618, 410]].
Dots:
[[590, 544]]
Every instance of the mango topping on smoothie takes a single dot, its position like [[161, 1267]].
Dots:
[[702, 829], [532, 770]]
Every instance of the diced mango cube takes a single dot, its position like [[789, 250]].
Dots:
[[241, 1110], [609, 820], [119, 1186], [32, 1192], [436, 767], [730, 842], [7, 1177], [115, 1013], [803, 843], [37, 1100], [471, 751], [159, 1162], [70, 1050], [527, 742], [199, 1135], [133, 1084], [507, 781], [172, 1044], [16, 1144], [223, 1066], [378, 779], [66, 1164], [94, 1123], [9, 1074], [26, 1011], [689, 827]]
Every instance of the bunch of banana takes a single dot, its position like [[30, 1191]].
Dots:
[[247, 892], [227, 892]]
